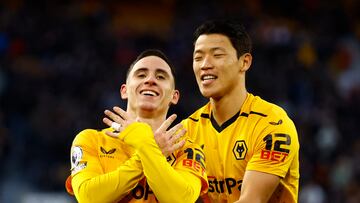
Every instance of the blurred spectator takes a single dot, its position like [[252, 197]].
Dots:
[[312, 193]]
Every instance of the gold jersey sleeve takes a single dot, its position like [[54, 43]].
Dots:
[[88, 180], [181, 183], [276, 151]]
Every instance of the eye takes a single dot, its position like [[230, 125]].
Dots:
[[219, 55], [141, 75], [197, 58], [160, 77]]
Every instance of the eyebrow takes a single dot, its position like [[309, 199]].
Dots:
[[213, 49], [157, 70], [162, 71]]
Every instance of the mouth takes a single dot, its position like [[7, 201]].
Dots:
[[208, 77], [151, 93]]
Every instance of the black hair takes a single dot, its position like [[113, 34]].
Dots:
[[152, 52], [235, 31]]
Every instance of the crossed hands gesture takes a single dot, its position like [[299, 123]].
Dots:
[[167, 140]]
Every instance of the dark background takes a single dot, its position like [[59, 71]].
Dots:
[[62, 63]]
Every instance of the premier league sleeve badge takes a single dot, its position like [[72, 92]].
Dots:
[[76, 157]]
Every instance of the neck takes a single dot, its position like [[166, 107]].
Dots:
[[228, 105], [155, 123], [154, 119]]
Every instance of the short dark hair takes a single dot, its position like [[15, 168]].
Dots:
[[152, 52], [234, 30]]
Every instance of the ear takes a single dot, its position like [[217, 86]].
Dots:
[[123, 91], [245, 62], [175, 97]]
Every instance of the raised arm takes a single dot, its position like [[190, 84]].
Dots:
[[182, 184]]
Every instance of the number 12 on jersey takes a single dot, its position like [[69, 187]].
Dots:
[[276, 151]]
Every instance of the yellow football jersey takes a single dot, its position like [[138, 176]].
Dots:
[[259, 137], [115, 169]]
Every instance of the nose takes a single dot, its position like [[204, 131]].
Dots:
[[150, 80], [206, 63]]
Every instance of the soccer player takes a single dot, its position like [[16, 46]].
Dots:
[[125, 164], [251, 145]]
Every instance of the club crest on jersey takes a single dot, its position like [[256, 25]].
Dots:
[[171, 159], [240, 150]]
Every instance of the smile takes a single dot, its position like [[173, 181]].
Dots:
[[208, 77], [149, 93]]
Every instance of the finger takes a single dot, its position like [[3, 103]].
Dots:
[[177, 136], [170, 133], [114, 117], [121, 112], [107, 121], [177, 145], [165, 125], [112, 134]]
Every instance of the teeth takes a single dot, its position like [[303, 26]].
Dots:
[[208, 77], [148, 92]]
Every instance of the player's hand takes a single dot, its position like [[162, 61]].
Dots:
[[118, 119], [169, 140]]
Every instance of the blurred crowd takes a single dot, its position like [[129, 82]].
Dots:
[[61, 65]]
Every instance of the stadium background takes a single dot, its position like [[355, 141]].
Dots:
[[62, 62]]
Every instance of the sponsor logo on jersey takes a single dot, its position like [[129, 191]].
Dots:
[[111, 151], [276, 123], [240, 149], [227, 185], [142, 192], [107, 154], [195, 165], [273, 155]]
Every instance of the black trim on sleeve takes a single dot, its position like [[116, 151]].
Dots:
[[257, 113], [193, 119], [252, 112]]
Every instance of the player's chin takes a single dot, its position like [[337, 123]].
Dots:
[[149, 106], [206, 93]]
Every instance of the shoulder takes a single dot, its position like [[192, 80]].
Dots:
[[192, 144], [271, 117], [267, 110], [202, 112], [274, 119], [88, 136], [189, 146]]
